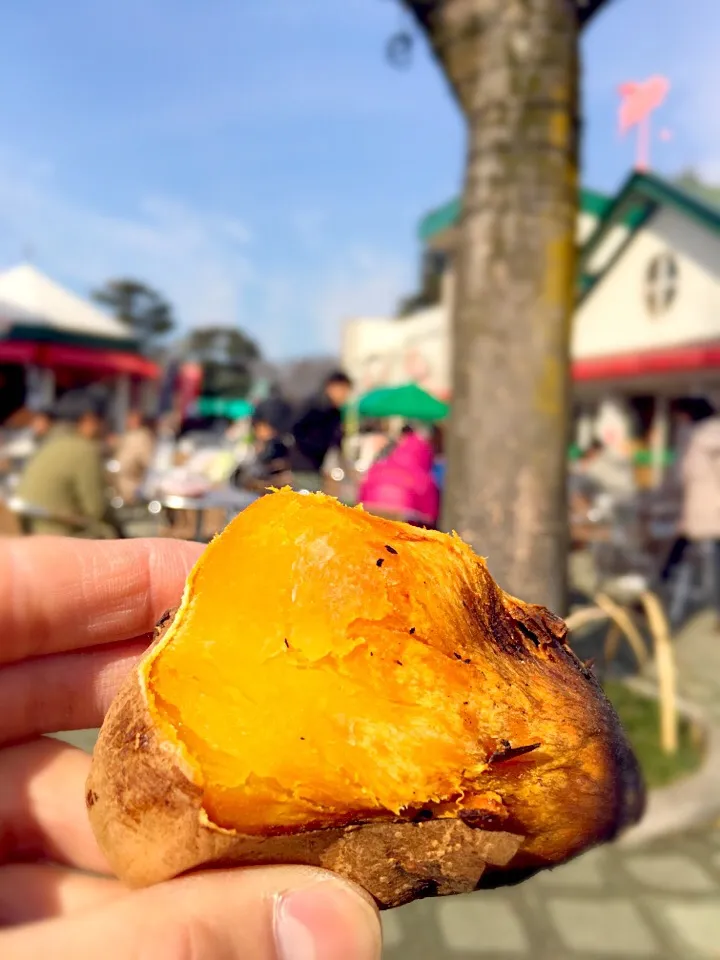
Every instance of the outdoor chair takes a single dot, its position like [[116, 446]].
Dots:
[[619, 612], [626, 566]]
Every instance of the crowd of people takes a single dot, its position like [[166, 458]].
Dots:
[[75, 469], [396, 474]]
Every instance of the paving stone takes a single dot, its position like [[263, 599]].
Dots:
[[392, 928], [607, 926], [483, 924], [697, 925], [672, 872], [585, 873]]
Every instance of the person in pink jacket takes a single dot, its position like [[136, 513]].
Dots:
[[400, 483]]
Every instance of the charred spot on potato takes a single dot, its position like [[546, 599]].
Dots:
[[506, 752], [480, 820], [164, 621], [527, 632], [135, 737], [90, 798], [405, 781], [493, 879]]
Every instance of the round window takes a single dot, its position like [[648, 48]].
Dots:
[[661, 282]]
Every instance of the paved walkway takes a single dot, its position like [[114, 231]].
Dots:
[[660, 902], [697, 653]]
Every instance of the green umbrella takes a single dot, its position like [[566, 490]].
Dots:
[[232, 408], [408, 401], [643, 458]]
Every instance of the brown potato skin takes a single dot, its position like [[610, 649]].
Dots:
[[148, 818]]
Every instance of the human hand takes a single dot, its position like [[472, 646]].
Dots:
[[74, 617]]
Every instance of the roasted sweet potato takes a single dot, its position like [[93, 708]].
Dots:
[[342, 690]]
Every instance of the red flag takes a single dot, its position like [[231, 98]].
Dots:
[[638, 100]]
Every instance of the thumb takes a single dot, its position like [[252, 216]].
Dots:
[[276, 913]]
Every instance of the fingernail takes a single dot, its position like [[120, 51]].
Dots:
[[326, 921]]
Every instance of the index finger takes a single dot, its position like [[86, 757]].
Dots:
[[60, 594]]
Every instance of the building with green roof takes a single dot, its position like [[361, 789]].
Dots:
[[647, 323]]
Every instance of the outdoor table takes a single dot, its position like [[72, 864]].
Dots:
[[229, 499], [27, 512]]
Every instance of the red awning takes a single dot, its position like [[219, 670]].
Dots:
[[12, 351], [78, 358], [103, 361], [695, 359]]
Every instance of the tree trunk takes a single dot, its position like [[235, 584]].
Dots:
[[513, 65]]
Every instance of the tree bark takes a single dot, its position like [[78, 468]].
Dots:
[[513, 66]]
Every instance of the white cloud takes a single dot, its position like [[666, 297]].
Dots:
[[236, 230], [364, 283], [198, 259], [203, 262], [304, 312]]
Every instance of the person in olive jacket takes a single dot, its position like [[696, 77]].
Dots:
[[66, 476]]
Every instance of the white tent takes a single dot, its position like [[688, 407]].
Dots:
[[43, 302]]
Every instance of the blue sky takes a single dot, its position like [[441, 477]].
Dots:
[[260, 163]]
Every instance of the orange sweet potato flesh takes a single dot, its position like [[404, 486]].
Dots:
[[331, 677]]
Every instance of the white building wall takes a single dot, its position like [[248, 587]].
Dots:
[[368, 350], [585, 225], [390, 352], [614, 318]]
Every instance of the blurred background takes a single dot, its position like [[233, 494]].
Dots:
[[455, 260]]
